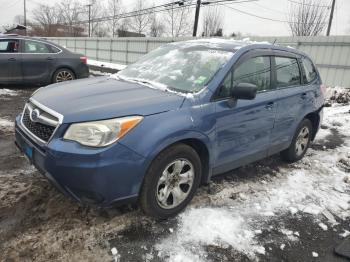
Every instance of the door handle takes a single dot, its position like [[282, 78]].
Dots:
[[303, 96], [49, 58], [269, 105], [12, 59]]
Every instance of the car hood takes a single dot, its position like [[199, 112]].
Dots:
[[103, 98]]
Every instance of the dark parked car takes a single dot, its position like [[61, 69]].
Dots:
[[36, 61], [161, 127]]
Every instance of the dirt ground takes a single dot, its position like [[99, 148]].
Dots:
[[38, 223]]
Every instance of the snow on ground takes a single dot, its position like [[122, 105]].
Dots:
[[317, 186], [6, 125], [106, 64], [8, 92]]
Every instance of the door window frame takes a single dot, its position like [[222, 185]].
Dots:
[[12, 39], [286, 55], [244, 57], [22, 43]]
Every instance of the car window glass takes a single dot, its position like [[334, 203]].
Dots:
[[185, 68], [309, 69], [226, 86], [255, 71], [287, 71], [8, 46], [35, 47], [53, 49]]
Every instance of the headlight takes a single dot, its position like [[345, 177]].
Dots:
[[101, 133]]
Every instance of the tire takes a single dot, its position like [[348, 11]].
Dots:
[[163, 176], [63, 74], [300, 142]]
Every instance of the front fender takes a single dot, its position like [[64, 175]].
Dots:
[[157, 132]]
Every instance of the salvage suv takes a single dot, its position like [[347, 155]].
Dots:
[[166, 124]]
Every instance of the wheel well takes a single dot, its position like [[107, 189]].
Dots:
[[203, 154], [315, 120]]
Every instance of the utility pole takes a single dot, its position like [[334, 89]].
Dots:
[[330, 18], [89, 5], [198, 6], [25, 16]]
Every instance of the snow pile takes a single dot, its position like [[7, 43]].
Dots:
[[105, 64], [338, 94], [7, 92], [315, 186], [6, 125]]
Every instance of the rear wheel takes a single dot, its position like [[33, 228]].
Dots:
[[63, 74], [300, 142], [171, 181]]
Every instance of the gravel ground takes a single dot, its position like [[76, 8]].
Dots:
[[267, 211]]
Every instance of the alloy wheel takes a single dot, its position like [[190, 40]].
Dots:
[[175, 183], [302, 141], [64, 76]]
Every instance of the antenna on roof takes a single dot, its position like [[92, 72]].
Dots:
[[274, 41]]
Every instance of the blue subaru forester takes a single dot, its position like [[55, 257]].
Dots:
[[183, 113]]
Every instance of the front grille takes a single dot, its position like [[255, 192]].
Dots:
[[40, 128]]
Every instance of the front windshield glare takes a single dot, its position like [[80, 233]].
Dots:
[[185, 69]]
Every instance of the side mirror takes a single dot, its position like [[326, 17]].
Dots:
[[245, 91]]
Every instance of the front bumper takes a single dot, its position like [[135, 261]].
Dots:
[[99, 176]]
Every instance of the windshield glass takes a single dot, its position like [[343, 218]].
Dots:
[[186, 69]]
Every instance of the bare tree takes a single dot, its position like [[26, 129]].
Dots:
[[71, 12], [212, 21], [307, 18], [178, 20], [45, 20], [157, 28], [114, 9], [141, 20]]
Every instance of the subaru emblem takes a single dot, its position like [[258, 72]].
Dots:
[[34, 115]]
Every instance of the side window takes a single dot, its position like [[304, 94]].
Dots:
[[53, 49], [35, 47], [287, 71], [309, 69], [8, 46], [255, 70], [226, 87]]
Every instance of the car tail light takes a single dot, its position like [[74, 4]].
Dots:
[[83, 59]]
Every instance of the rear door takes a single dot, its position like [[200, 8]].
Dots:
[[293, 101], [38, 60], [243, 127], [10, 61]]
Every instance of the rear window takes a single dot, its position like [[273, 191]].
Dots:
[[310, 73], [287, 71], [8, 46]]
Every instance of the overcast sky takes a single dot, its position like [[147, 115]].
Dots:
[[234, 21]]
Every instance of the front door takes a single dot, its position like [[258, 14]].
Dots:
[[243, 127], [10, 61], [37, 61]]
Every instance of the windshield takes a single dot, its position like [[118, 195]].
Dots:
[[186, 69]]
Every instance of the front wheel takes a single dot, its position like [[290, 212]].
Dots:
[[300, 142], [171, 181]]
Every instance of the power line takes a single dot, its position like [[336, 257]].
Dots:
[[264, 18], [296, 2]]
